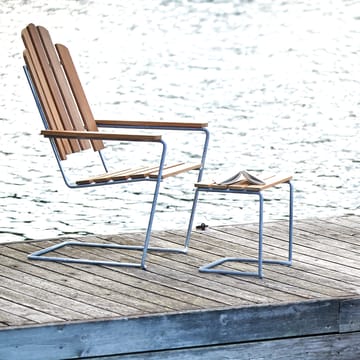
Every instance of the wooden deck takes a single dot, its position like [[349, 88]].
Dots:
[[171, 311]]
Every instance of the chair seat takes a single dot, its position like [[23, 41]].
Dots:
[[142, 172], [270, 181]]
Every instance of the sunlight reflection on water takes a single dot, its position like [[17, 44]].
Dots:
[[276, 81]]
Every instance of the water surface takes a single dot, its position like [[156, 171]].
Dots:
[[278, 82]]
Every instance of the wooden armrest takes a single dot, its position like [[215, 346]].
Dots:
[[151, 124], [98, 135]]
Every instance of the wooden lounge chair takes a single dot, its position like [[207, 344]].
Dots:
[[71, 127]]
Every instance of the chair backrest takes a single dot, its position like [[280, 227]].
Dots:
[[58, 89]]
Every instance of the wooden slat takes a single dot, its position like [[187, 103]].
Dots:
[[175, 170], [104, 177], [140, 174], [78, 93], [63, 85], [153, 171]]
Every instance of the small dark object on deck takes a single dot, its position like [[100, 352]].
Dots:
[[202, 226]]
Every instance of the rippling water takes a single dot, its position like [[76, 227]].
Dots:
[[278, 82]]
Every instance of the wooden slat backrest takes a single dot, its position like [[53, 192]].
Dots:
[[49, 84], [55, 89], [47, 103]]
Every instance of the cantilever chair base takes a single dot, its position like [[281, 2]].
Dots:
[[212, 267], [41, 254]]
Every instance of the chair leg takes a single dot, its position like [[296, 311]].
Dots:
[[191, 220], [291, 220], [151, 220], [147, 248], [261, 227]]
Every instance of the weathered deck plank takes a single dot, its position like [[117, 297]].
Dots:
[[172, 306], [339, 347]]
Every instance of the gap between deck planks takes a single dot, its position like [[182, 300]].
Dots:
[[326, 262]]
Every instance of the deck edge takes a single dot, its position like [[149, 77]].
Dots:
[[179, 331]]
